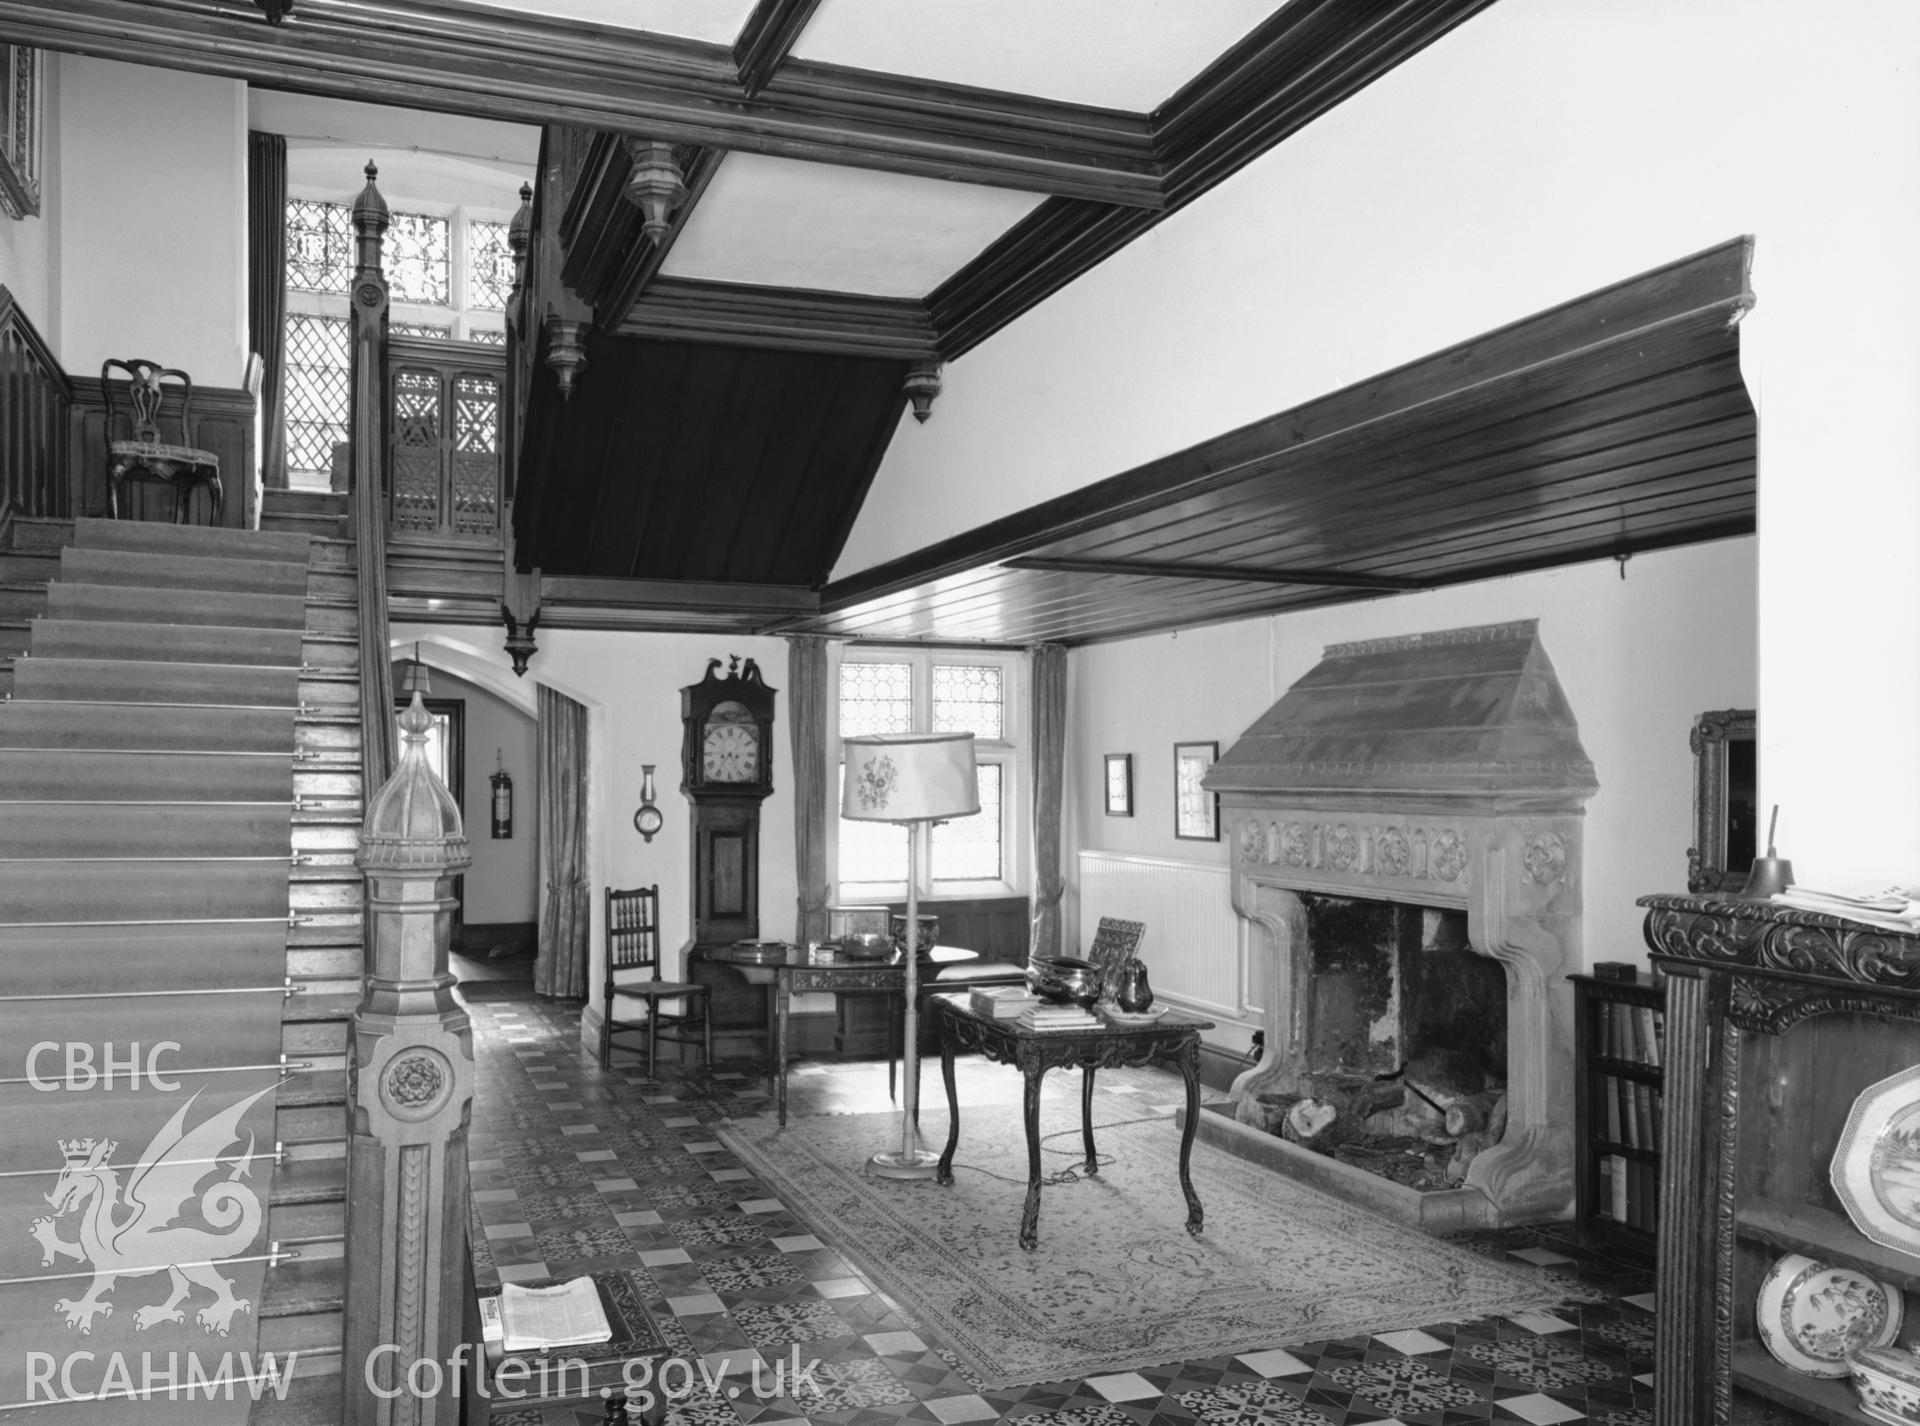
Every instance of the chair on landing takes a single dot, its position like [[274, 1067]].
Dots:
[[160, 399], [634, 1000]]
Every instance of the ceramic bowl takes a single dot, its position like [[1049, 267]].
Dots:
[[929, 931], [1887, 1380]]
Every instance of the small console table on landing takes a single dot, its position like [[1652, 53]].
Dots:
[[1168, 1041]]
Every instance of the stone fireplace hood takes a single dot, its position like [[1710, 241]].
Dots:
[[1442, 770], [1468, 713]]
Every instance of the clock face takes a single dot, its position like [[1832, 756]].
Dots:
[[730, 753]]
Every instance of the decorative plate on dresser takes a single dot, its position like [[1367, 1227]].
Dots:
[[1812, 1314], [1876, 1168]]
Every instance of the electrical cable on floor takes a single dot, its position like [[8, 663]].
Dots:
[[1071, 1174]]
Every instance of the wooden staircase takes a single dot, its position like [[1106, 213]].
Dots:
[[184, 728]]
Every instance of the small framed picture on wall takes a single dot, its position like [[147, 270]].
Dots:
[[1119, 784], [1196, 812]]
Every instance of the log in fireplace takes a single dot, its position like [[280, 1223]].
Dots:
[[1441, 771]]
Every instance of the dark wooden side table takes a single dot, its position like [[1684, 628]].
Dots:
[[799, 970], [1169, 1041]]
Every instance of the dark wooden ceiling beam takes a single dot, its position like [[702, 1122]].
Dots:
[[462, 58], [1237, 574], [684, 309], [767, 38]]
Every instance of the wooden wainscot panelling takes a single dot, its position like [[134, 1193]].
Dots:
[[223, 419], [36, 402]]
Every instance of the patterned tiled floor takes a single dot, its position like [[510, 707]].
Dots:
[[574, 1170]]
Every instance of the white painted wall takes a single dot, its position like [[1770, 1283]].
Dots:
[[152, 219], [1638, 658], [1543, 149], [501, 886], [631, 686]]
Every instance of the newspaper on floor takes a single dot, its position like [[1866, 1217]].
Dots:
[[567, 1314]]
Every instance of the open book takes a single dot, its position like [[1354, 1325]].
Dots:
[[567, 1314]]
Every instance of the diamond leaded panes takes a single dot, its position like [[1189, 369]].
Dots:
[[418, 259], [871, 853], [420, 329], [967, 699], [489, 266], [875, 698], [317, 365], [319, 246], [968, 848], [487, 337]]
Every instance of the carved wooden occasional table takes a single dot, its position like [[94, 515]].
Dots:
[[799, 970], [1169, 1041]]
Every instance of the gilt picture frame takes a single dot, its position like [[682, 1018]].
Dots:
[[1196, 812], [1119, 784]]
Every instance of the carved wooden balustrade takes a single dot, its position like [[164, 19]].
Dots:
[[36, 411], [367, 423]]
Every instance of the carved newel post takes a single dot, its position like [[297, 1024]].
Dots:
[[410, 1065]]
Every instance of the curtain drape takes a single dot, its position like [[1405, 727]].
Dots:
[[807, 706], [267, 293], [1049, 759], [566, 895]]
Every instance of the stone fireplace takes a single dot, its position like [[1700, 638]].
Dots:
[[1440, 774]]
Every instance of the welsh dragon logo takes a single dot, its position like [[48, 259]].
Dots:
[[133, 1231]]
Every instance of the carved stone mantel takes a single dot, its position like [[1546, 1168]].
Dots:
[[1439, 770]]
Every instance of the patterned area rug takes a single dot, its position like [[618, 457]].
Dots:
[[1116, 1282]]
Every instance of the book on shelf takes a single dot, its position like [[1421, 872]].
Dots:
[[1001, 1002], [1643, 1116], [568, 1314]]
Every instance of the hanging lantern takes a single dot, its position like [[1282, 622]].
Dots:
[[502, 798]]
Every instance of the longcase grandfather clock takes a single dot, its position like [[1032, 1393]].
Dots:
[[726, 767]]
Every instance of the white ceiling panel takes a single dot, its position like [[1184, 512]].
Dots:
[[716, 21], [777, 222], [1131, 55]]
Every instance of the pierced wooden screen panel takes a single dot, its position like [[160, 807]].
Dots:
[[416, 450], [475, 473]]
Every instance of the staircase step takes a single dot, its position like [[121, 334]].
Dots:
[[305, 1124], [38, 830], [148, 727], [150, 537], [317, 1009], [95, 775], [314, 1228], [82, 959], [172, 643], [303, 502], [313, 1397], [328, 1087], [297, 524], [35, 533], [15, 635], [158, 681], [21, 600], [29, 566], [336, 962], [85, 565], [108, 890], [176, 606], [309, 1181], [304, 1286]]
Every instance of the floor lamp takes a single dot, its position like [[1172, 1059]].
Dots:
[[917, 779]]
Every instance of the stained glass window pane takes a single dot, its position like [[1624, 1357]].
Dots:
[[872, 854], [875, 698], [319, 246], [489, 266], [967, 699], [417, 259], [420, 329], [317, 379], [968, 848]]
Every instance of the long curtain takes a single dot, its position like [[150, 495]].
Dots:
[[1049, 762], [267, 293], [807, 706], [566, 891]]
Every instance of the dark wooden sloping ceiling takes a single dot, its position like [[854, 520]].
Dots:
[[1613, 424], [683, 461]]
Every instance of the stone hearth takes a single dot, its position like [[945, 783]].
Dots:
[[1438, 770]]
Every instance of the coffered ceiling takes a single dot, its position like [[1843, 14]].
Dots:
[[876, 186]]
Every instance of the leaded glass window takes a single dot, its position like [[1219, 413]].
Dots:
[[489, 266], [319, 247], [418, 260], [871, 853], [420, 329], [875, 698], [966, 699], [488, 336], [317, 380], [968, 848]]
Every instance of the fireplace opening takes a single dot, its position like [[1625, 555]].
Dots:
[[1405, 1056]]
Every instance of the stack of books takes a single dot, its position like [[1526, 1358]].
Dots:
[[1059, 1017], [1001, 1002]]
